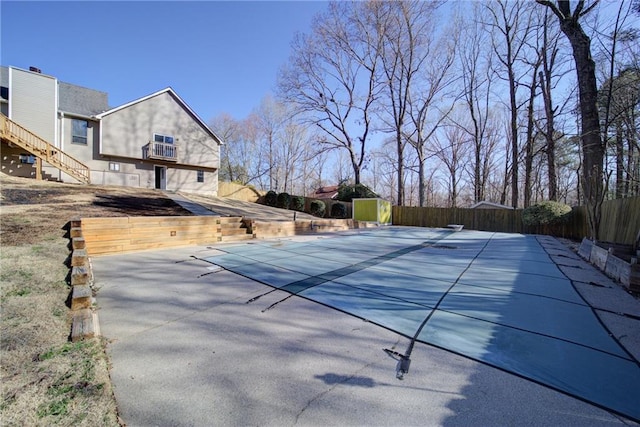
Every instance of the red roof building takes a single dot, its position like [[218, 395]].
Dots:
[[330, 192]]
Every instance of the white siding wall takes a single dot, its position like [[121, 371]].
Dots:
[[127, 131], [33, 102], [187, 180]]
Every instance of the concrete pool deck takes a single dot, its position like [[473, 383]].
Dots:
[[186, 349]]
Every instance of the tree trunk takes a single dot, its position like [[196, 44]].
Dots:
[[620, 193], [545, 84], [528, 159], [514, 139], [592, 147], [421, 183], [477, 178], [400, 146]]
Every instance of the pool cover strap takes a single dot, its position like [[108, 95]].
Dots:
[[405, 359]]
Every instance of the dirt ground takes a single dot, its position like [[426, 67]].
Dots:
[[45, 379], [51, 205]]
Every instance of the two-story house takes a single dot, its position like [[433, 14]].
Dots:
[[57, 130]]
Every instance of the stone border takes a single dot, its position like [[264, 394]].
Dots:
[[85, 321], [626, 273]]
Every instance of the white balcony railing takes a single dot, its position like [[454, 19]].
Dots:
[[160, 151]]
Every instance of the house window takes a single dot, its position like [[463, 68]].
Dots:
[[27, 159], [162, 138], [79, 131], [200, 176], [114, 167]]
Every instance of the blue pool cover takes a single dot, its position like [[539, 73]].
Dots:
[[496, 298]]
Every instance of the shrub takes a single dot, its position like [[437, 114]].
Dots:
[[317, 208], [546, 213], [270, 198], [297, 203], [283, 201], [346, 192], [338, 210]]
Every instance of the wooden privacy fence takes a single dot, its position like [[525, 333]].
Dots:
[[620, 220], [506, 220], [236, 191]]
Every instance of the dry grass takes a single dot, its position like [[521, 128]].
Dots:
[[47, 380]]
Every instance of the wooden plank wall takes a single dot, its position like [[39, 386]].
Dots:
[[620, 220], [506, 220], [127, 234], [236, 191]]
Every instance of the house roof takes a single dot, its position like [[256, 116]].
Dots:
[[329, 192], [180, 101], [81, 100], [490, 205]]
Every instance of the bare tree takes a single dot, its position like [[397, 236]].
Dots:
[[293, 150], [547, 76], [407, 28], [271, 116], [477, 80], [431, 97], [531, 134], [618, 96], [593, 149], [511, 24], [314, 172], [453, 154], [241, 157], [227, 128], [331, 78]]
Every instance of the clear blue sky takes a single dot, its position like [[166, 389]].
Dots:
[[218, 56]]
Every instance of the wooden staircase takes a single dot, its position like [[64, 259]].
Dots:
[[13, 133], [234, 229]]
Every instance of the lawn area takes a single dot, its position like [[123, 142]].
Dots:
[[46, 379]]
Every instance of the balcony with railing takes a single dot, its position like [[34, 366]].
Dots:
[[155, 150]]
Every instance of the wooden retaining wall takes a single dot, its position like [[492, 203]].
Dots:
[[127, 234], [113, 235], [269, 229]]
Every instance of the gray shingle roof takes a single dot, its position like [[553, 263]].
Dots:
[[81, 100]]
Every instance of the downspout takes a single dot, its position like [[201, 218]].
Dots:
[[9, 101], [60, 135], [99, 120], [56, 132], [61, 118]]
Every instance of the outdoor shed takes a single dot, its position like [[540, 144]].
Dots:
[[372, 210]]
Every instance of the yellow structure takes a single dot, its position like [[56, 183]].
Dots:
[[372, 210]]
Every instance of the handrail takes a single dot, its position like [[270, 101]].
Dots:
[[39, 147]]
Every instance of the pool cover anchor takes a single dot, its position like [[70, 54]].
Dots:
[[402, 368]]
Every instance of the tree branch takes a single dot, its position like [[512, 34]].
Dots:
[[553, 8]]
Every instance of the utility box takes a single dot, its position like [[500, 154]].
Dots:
[[372, 210]]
